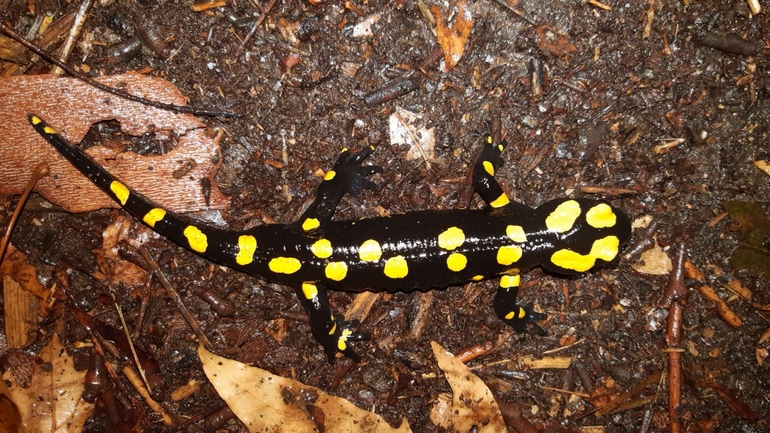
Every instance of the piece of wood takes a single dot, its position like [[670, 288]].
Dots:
[[72, 107]]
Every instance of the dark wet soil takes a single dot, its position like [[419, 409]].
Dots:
[[608, 96]]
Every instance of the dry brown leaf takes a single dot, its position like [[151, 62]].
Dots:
[[110, 262], [25, 298], [10, 417], [21, 313], [15, 266], [764, 165], [12, 51], [472, 405], [267, 402], [71, 107], [52, 401], [453, 38]]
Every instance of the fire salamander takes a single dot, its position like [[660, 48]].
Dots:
[[403, 252]]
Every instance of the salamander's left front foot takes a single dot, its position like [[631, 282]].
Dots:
[[525, 320], [339, 338], [349, 165], [521, 317]]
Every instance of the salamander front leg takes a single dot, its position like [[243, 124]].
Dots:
[[347, 177], [487, 163], [516, 316], [334, 333]]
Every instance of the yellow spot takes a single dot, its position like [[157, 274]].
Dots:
[[336, 271], [489, 139], [284, 265], [456, 262], [35, 120], [563, 217], [451, 238], [516, 233], [334, 326], [246, 246], [196, 239], [330, 175], [370, 251], [508, 281], [489, 168], [322, 248], [508, 254], [344, 149], [342, 341], [477, 277], [605, 249], [120, 191], [510, 315], [522, 313], [601, 216], [309, 290], [396, 267], [49, 130], [154, 216], [310, 224], [500, 147], [500, 201]]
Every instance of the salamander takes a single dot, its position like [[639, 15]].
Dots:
[[403, 252]]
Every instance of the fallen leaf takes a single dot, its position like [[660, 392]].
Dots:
[[454, 37], [12, 51], [72, 107], [267, 402], [52, 401], [654, 261], [408, 128], [754, 227], [109, 261], [473, 407], [10, 417], [364, 27], [763, 164], [25, 299], [14, 265]]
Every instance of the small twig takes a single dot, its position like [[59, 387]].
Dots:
[[133, 350], [676, 291], [617, 401], [564, 391], [177, 299], [559, 349], [40, 171], [117, 92], [675, 298], [77, 26], [254, 28]]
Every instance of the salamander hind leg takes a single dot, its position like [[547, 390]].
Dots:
[[334, 333], [521, 317], [347, 177]]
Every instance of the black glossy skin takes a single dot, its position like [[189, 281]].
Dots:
[[412, 236]]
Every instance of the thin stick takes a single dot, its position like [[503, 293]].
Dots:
[[176, 298], [77, 26], [254, 29], [40, 171], [117, 92], [133, 350]]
